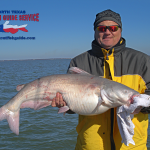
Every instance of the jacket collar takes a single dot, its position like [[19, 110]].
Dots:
[[98, 50]]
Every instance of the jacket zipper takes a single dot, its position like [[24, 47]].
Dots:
[[107, 57], [112, 112], [111, 132]]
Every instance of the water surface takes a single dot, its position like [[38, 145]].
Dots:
[[40, 129]]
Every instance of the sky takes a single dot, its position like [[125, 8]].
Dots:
[[65, 27]]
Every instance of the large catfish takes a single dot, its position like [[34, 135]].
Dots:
[[84, 94]]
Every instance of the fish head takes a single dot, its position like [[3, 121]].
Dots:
[[125, 94], [117, 95]]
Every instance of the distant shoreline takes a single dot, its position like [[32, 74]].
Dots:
[[34, 59]]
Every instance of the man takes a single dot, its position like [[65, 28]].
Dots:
[[110, 59]]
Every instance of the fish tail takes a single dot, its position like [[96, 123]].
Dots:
[[12, 119]]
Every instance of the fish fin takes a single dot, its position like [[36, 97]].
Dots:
[[12, 118], [76, 70], [63, 109], [98, 105], [27, 104], [19, 87], [36, 105], [99, 102], [41, 104], [106, 100]]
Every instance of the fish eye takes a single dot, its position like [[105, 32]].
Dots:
[[125, 91]]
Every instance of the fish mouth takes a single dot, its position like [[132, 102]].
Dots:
[[132, 96]]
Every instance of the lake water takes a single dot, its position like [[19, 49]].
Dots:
[[40, 129]]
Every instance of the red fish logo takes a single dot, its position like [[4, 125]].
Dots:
[[12, 28]]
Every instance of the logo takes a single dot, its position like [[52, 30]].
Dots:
[[6, 27], [16, 16]]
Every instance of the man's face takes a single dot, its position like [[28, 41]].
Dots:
[[107, 39]]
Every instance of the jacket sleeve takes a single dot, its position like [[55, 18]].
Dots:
[[72, 64], [145, 70]]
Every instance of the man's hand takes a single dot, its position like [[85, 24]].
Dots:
[[146, 100], [58, 101]]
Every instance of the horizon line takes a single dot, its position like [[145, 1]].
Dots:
[[32, 59]]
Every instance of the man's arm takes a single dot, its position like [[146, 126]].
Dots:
[[146, 76]]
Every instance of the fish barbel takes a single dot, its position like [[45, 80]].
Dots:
[[85, 94]]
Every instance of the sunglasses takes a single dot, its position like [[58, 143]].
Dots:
[[110, 28]]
